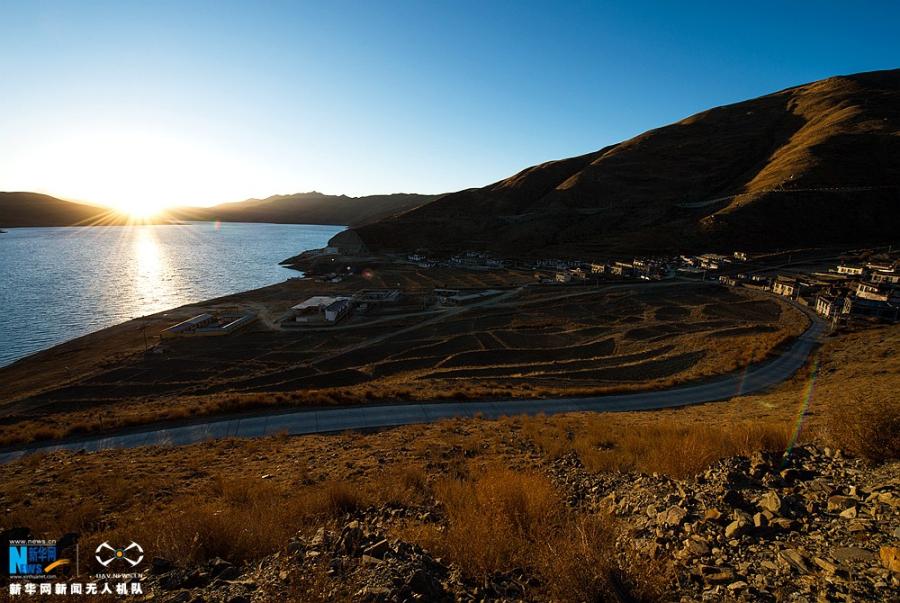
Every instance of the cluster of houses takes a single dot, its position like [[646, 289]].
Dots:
[[647, 268], [468, 259], [331, 309], [554, 270], [869, 290], [865, 290]]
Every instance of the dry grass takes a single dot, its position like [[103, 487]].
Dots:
[[866, 425], [681, 450], [498, 520]]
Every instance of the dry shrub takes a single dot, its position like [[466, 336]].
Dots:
[[495, 520], [239, 519], [866, 425], [403, 485], [246, 520], [340, 498], [500, 519], [581, 564], [676, 450]]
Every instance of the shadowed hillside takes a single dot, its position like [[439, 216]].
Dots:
[[308, 208], [810, 165], [34, 209]]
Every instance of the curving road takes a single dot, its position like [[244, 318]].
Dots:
[[756, 378]]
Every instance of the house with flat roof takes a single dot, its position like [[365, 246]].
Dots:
[[786, 286], [859, 307], [851, 269], [829, 306], [890, 278], [313, 309], [337, 310]]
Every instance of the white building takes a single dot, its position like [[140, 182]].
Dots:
[[850, 270]]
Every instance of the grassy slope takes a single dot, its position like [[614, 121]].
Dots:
[[841, 131]]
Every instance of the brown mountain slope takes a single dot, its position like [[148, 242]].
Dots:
[[308, 208], [35, 209], [814, 164]]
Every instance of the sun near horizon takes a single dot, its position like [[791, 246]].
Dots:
[[140, 173]]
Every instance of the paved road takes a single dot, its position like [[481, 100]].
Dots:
[[756, 378]]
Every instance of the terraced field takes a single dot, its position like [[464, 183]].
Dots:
[[528, 341], [550, 341]]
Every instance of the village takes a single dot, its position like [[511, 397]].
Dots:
[[861, 285]]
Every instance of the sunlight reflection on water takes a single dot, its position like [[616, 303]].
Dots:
[[60, 283]]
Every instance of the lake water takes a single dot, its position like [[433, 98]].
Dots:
[[59, 283]]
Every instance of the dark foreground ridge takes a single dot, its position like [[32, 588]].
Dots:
[[753, 379]]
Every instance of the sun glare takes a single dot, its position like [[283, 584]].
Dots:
[[139, 173]]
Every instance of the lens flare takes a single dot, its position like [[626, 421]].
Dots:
[[804, 407]]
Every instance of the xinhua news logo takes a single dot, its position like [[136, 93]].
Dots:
[[35, 559]]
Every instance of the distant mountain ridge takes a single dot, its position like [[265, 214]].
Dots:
[[35, 209], [19, 209], [308, 208], [811, 165]]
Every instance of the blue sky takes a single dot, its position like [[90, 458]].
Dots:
[[195, 102]]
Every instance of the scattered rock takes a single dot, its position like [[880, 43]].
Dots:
[[796, 559], [826, 566], [378, 549], [736, 528], [852, 553], [839, 503], [716, 575]]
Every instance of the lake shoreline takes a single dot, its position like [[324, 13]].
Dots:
[[64, 283]]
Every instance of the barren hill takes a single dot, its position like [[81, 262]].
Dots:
[[308, 208], [811, 165], [35, 209]]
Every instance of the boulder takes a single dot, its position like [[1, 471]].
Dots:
[[890, 558], [736, 528], [770, 501], [796, 559], [673, 516]]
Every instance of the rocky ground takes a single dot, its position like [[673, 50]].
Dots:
[[815, 526]]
